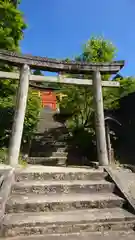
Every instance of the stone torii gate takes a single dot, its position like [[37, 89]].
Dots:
[[27, 62]]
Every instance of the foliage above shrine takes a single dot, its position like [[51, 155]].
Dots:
[[79, 100]]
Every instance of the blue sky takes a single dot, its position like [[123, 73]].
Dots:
[[59, 28]]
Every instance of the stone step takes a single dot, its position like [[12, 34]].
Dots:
[[49, 142], [48, 145], [58, 173], [52, 187], [59, 152], [47, 123], [39, 202], [78, 221], [61, 149], [51, 139], [111, 235], [48, 150], [51, 149], [56, 154], [50, 160], [43, 147], [51, 154]]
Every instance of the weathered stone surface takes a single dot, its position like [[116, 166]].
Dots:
[[125, 181], [68, 222], [58, 173], [5, 189], [44, 63], [48, 202], [59, 154], [55, 159], [51, 187], [71, 228], [36, 203], [107, 235]]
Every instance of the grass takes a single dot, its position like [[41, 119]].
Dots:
[[4, 158]]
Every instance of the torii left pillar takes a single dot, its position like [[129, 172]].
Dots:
[[17, 129]]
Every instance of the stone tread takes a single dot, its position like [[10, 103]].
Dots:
[[77, 216], [110, 235], [47, 158], [48, 169], [60, 183], [61, 198]]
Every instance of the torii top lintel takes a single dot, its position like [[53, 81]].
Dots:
[[55, 65]]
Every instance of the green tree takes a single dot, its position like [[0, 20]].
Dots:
[[79, 99], [12, 28], [15, 2], [127, 85], [97, 49]]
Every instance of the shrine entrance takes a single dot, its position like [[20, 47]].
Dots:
[[26, 63]]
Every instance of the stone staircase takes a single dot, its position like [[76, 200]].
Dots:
[[49, 144], [68, 203], [49, 148]]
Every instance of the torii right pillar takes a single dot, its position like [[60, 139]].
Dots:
[[99, 120], [99, 110]]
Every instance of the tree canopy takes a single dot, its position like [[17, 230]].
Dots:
[[79, 100], [12, 28], [98, 49]]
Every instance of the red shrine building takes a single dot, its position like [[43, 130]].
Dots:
[[49, 96], [49, 100]]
